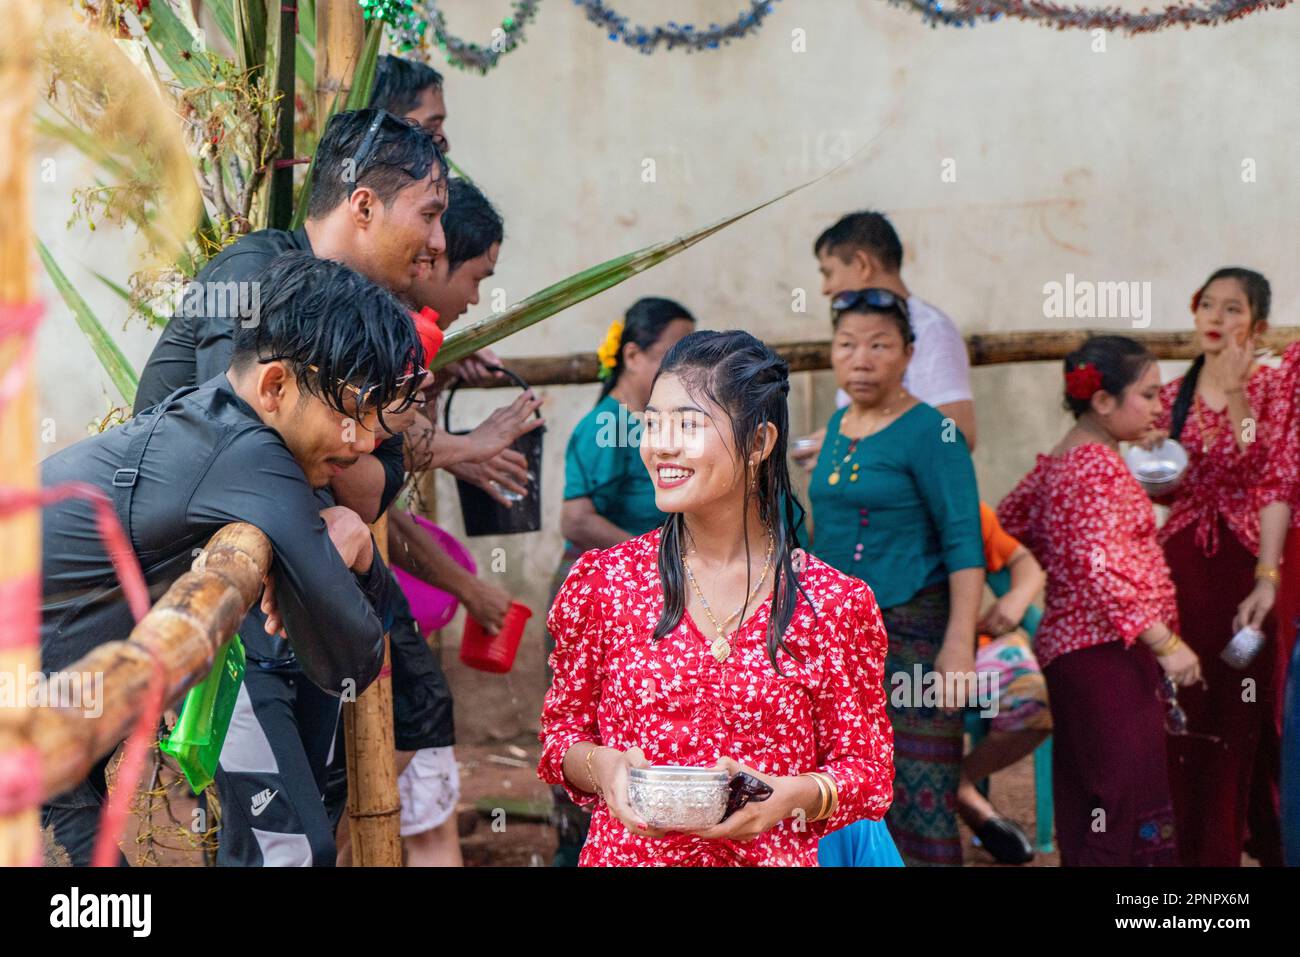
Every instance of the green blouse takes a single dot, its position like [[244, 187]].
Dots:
[[603, 463], [912, 514]]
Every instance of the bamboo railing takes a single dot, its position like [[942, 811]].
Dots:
[[182, 632], [986, 349]]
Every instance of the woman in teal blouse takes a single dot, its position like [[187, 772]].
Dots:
[[608, 495], [895, 503]]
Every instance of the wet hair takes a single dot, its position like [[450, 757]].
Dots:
[[750, 382], [897, 314], [643, 324], [868, 231], [400, 82], [317, 312], [399, 153], [1258, 295], [1119, 360], [471, 224]]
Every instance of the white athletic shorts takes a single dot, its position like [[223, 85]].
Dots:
[[429, 789]]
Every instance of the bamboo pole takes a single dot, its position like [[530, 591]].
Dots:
[[20, 836], [374, 806], [985, 349], [340, 36], [183, 631]]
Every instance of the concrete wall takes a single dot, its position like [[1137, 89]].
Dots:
[[1117, 165]]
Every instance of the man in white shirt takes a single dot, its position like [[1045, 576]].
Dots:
[[862, 251]]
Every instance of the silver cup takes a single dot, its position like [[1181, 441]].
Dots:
[[679, 798], [1242, 649]]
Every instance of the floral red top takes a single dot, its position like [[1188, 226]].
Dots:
[[1290, 428], [615, 686], [1226, 481], [1093, 529]]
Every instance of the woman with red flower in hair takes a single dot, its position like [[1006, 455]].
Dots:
[[1223, 542], [1108, 640]]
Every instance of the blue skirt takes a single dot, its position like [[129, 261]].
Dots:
[[861, 844]]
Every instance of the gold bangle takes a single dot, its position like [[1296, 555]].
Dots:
[[822, 795], [830, 799], [835, 794], [591, 775], [1268, 573], [1168, 646]]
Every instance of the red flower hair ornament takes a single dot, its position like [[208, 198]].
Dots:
[[1082, 381]]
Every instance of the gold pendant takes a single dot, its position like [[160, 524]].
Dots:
[[834, 479], [721, 649]]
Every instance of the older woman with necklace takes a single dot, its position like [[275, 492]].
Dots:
[[788, 687], [895, 504]]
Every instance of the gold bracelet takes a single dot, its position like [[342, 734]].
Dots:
[[822, 795], [829, 798], [591, 775], [1168, 646], [1268, 573], [835, 793]]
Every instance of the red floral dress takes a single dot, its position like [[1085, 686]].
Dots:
[[614, 686], [1289, 386], [1093, 529], [1224, 480]]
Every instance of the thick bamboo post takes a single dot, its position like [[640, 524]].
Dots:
[[340, 36], [20, 837], [374, 807], [183, 631]]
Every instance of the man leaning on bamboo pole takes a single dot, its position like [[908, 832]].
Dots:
[[303, 396]]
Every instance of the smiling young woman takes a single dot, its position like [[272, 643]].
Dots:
[[702, 644]]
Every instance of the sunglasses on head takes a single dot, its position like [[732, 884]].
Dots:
[[870, 299], [364, 395], [366, 150]]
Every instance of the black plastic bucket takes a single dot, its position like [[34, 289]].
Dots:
[[483, 514]]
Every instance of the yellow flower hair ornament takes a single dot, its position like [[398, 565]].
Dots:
[[608, 351]]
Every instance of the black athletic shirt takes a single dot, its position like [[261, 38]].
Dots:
[[196, 346], [208, 461]]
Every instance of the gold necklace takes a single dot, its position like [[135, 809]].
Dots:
[[720, 647], [839, 463]]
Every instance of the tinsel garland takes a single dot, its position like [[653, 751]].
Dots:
[[408, 23], [408, 32], [673, 35], [1114, 19]]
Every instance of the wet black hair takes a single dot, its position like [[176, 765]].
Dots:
[[399, 153], [317, 312], [750, 382], [869, 231], [643, 323], [471, 224], [1119, 360], [399, 83], [897, 313], [1259, 296]]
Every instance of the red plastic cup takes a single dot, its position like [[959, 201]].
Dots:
[[494, 653]]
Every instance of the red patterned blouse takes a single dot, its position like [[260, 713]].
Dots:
[[1093, 529], [1290, 428], [1223, 480], [614, 686]]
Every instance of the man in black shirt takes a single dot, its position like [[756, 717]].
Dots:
[[303, 397], [378, 192]]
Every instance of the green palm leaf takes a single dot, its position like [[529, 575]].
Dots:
[[567, 292], [106, 350]]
